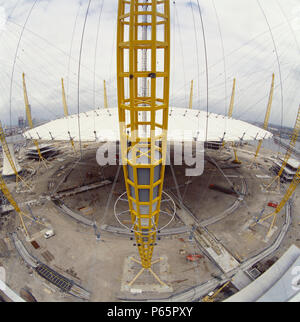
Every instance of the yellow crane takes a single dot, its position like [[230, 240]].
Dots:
[[191, 95], [143, 119], [9, 157], [289, 192], [66, 112], [30, 123], [289, 151], [266, 121], [211, 298]]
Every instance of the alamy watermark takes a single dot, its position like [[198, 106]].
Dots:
[[184, 152]]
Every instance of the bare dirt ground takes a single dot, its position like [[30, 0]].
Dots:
[[98, 265]]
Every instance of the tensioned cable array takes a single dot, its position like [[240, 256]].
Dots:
[[79, 69], [15, 58]]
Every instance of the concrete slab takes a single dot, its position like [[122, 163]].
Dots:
[[146, 282]]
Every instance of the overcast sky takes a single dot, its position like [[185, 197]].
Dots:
[[234, 29]]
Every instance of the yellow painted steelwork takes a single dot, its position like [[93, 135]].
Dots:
[[29, 118], [232, 99], [267, 116], [66, 112], [11, 200], [143, 118], [105, 95], [288, 151], [9, 157], [191, 95], [292, 187], [230, 112]]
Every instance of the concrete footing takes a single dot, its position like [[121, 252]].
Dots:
[[146, 282]]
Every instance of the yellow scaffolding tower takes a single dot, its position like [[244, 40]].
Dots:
[[266, 121], [9, 157], [191, 95], [292, 187], [288, 152], [143, 35], [30, 123]]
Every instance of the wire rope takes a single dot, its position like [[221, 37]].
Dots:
[[15, 58]]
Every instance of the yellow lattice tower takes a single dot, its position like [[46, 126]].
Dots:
[[266, 121], [143, 37], [289, 151], [30, 123]]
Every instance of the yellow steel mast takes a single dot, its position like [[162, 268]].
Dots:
[[230, 112], [9, 157], [289, 151], [191, 95], [267, 116], [105, 95], [29, 118], [232, 99], [143, 119], [64, 98], [66, 112], [292, 187], [11, 200]]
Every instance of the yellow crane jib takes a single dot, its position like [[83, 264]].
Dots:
[[143, 137]]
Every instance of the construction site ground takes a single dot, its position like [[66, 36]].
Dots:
[[97, 265]]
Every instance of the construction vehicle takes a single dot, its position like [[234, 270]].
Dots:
[[193, 257]]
